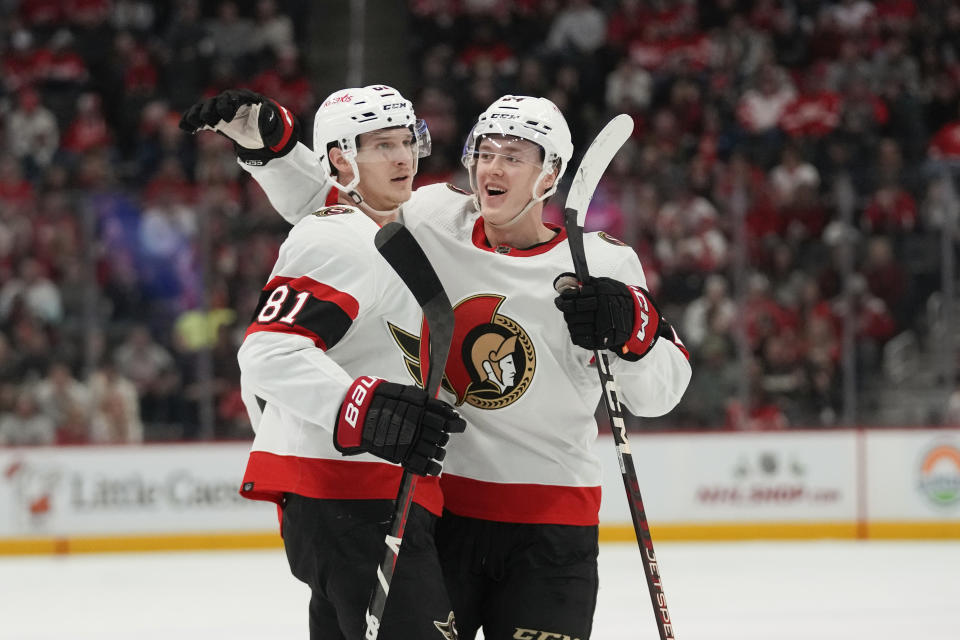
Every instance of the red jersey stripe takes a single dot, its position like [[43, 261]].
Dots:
[[268, 476], [319, 291], [526, 503]]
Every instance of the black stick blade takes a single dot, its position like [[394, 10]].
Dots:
[[398, 246], [404, 254]]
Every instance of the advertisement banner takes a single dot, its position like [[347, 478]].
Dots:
[[737, 477], [913, 475], [126, 490]]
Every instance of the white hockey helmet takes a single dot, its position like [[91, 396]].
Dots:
[[348, 113], [535, 119]]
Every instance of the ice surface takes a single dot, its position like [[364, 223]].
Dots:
[[718, 591]]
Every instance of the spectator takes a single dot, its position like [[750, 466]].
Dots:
[[59, 393], [578, 30], [152, 370], [32, 132], [792, 174], [232, 34], [26, 424], [815, 112], [286, 83], [40, 296], [711, 314], [629, 88], [886, 278], [89, 130], [116, 407], [891, 210], [760, 109], [272, 30]]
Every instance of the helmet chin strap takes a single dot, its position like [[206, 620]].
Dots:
[[515, 219], [351, 191]]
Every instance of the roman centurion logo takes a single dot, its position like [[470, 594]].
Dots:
[[491, 362]]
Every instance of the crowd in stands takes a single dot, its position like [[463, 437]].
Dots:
[[131, 254], [794, 151], [783, 149]]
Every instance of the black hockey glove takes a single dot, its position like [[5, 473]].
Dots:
[[259, 128], [604, 313], [399, 423]]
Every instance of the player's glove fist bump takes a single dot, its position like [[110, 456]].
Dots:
[[603, 313], [260, 128], [399, 423]]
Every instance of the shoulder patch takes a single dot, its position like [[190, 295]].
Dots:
[[334, 210], [609, 238], [457, 189]]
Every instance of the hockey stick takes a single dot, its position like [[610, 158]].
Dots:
[[396, 244], [594, 163]]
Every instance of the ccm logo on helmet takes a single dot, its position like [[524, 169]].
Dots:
[[337, 99], [395, 105], [504, 116], [351, 410]]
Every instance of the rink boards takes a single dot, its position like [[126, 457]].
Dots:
[[902, 483]]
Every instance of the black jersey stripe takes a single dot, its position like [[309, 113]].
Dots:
[[322, 321]]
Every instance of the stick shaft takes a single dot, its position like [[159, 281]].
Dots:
[[594, 163], [399, 248]]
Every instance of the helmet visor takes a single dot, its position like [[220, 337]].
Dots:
[[512, 150], [394, 144]]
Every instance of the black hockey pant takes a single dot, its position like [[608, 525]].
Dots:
[[335, 546], [526, 581]]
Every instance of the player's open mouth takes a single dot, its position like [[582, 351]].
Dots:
[[493, 192], [400, 179]]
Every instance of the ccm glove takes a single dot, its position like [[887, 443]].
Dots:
[[399, 423], [259, 128], [603, 313]]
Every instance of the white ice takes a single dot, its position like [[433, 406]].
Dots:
[[718, 591]]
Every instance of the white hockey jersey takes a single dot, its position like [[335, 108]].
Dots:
[[527, 392], [323, 320]]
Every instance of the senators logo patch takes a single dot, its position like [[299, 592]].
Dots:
[[336, 209], [492, 360], [457, 189], [609, 238]]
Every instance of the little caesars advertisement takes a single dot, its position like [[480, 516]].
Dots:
[[126, 489]]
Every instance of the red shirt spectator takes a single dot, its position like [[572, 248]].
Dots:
[[140, 76], [286, 84], [890, 209], [23, 64], [15, 190], [812, 114], [42, 13], [86, 12], [64, 64], [89, 130], [946, 142]]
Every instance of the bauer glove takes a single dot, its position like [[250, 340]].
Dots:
[[399, 423], [603, 313], [259, 128]]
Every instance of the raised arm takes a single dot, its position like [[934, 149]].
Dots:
[[266, 138]]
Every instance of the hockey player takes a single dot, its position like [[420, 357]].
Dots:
[[332, 431], [518, 538]]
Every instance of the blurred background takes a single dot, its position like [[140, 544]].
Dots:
[[789, 186]]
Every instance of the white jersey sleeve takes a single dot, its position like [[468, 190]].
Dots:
[[320, 284], [294, 183], [653, 385]]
